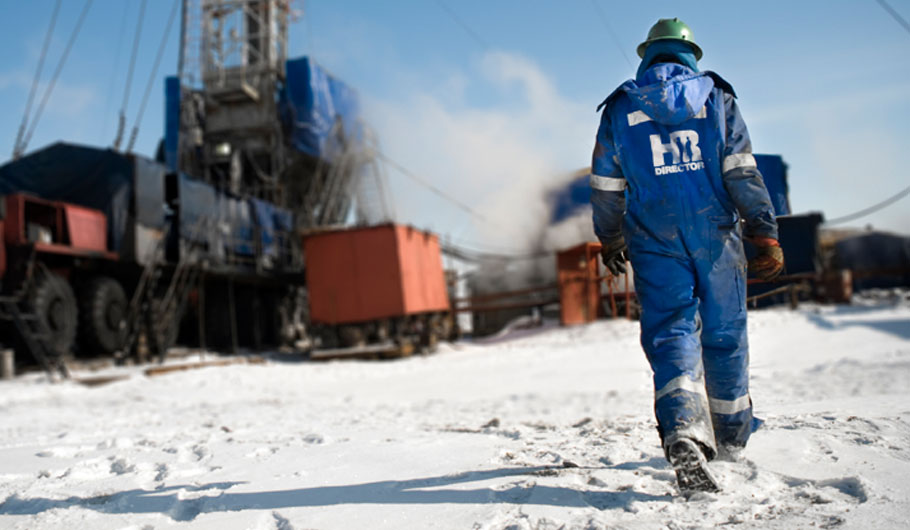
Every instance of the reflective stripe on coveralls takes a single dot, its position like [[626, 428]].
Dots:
[[607, 183], [717, 406], [739, 160], [640, 117]]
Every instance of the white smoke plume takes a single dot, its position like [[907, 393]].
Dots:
[[499, 159]]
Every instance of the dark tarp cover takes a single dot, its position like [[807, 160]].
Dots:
[[148, 186], [800, 243], [885, 256], [86, 176], [171, 120], [321, 113]]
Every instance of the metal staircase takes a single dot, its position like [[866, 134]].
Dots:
[[32, 329], [140, 307], [157, 315]]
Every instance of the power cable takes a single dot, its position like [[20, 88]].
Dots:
[[906, 191], [462, 252], [616, 41], [121, 121], [153, 76], [113, 80], [408, 173], [17, 152], [483, 44], [894, 14], [310, 39], [50, 87], [872, 209]]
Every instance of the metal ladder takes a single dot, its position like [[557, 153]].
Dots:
[[169, 308], [141, 302], [33, 330], [160, 314]]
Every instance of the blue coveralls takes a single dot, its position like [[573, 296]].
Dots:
[[674, 174]]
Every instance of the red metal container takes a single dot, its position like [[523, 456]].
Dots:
[[579, 283], [68, 229], [364, 274]]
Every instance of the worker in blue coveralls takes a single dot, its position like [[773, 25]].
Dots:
[[673, 177]]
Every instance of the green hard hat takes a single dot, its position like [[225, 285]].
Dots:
[[670, 28]]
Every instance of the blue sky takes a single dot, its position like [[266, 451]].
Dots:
[[494, 100]]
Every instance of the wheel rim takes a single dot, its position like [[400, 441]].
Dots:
[[113, 315], [56, 315]]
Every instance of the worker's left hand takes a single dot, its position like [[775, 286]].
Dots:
[[770, 259], [614, 256]]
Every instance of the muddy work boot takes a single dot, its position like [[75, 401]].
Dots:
[[691, 467]]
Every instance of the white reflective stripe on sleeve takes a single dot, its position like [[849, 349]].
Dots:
[[722, 406], [683, 382], [739, 160], [702, 114], [637, 117], [607, 183]]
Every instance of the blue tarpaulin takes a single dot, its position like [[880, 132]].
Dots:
[[774, 172], [571, 199], [228, 225], [222, 222], [321, 113], [274, 223]]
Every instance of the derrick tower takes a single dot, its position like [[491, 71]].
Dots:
[[231, 69], [256, 124]]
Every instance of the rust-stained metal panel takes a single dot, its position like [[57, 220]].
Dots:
[[2, 251], [71, 230], [87, 228], [363, 274], [579, 283]]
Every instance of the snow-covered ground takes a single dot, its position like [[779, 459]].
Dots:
[[549, 429]]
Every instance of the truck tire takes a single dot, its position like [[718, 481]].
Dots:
[[103, 308], [55, 304]]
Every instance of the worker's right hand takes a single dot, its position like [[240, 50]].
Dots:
[[769, 261], [614, 256]]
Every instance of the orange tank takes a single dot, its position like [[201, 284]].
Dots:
[[362, 274]]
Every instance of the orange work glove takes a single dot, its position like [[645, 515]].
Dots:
[[769, 261]]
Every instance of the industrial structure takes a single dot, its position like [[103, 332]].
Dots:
[[111, 253], [263, 220]]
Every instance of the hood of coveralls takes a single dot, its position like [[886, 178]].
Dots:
[[669, 93]]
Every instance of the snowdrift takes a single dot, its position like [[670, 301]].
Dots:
[[552, 429]]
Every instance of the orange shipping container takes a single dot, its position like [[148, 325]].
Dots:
[[363, 274]]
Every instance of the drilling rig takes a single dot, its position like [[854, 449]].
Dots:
[[244, 118], [112, 253]]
